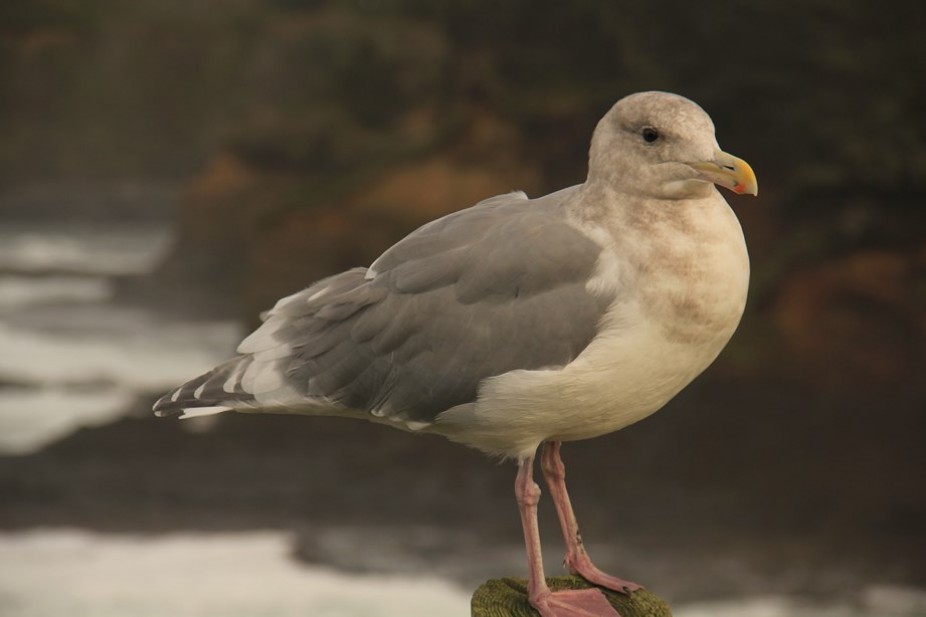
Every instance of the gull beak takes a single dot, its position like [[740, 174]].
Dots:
[[728, 171]]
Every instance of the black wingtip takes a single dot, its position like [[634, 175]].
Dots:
[[162, 407], [165, 413], [207, 390]]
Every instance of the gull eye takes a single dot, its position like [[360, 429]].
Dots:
[[650, 134]]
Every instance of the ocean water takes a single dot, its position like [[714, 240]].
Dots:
[[82, 250], [70, 356], [253, 573], [183, 575]]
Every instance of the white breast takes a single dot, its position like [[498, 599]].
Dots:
[[665, 327]]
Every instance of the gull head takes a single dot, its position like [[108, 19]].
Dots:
[[662, 146]]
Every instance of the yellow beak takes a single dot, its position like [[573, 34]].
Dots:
[[728, 171]]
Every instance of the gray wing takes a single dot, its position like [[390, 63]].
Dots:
[[494, 288]]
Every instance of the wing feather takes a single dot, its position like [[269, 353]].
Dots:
[[498, 287]]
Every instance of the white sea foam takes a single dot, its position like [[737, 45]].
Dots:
[[83, 574], [71, 358], [107, 249], [151, 357], [876, 601], [47, 573], [30, 419], [22, 291]]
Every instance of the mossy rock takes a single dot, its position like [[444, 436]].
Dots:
[[507, 597]]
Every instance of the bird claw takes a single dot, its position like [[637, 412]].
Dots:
[[574, 603]]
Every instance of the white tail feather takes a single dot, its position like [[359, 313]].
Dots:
[[195, 412]]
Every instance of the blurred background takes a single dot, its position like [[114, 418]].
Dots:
[[169, 168]]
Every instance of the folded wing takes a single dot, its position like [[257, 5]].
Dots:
[[497, 287]]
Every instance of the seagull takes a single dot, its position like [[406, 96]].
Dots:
[[517, 324]]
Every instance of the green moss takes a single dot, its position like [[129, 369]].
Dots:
[[507, 597]]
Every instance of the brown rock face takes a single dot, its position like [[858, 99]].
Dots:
[[859, 316], [299, 246]]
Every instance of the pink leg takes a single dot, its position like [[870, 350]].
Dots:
[[571, 603], [577, 559]]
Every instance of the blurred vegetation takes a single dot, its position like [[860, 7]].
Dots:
[[830, 91], [314, 133]]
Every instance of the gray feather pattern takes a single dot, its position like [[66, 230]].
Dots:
[[495, 288]]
